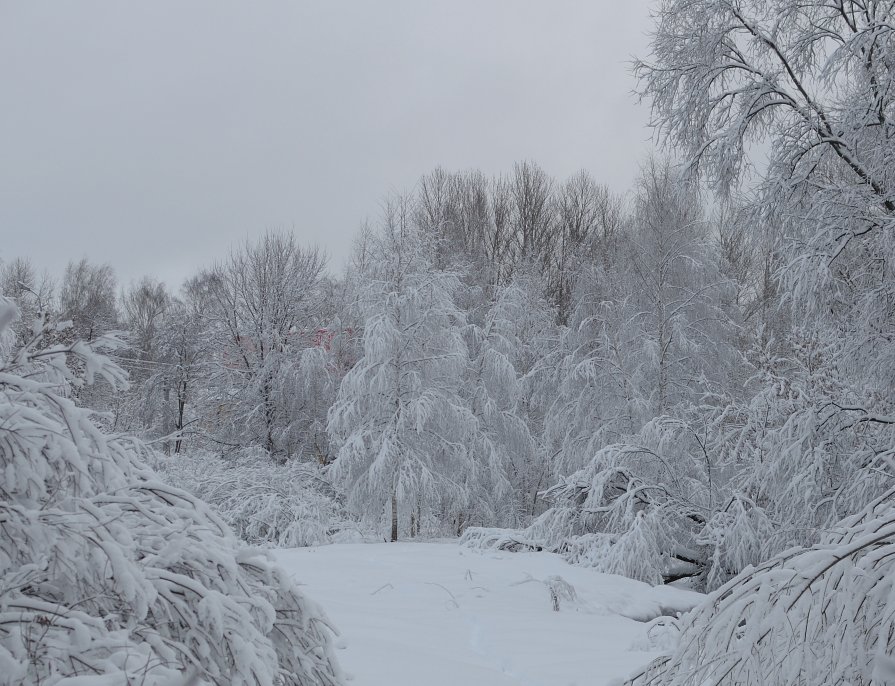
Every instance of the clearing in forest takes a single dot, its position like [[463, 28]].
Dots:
[[441, 615]]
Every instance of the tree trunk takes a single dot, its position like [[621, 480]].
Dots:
[[181, 406], [394, 517]]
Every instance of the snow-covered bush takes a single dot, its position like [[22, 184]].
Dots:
[[108, 575], [287, 505], [636, 509], [821, 615]]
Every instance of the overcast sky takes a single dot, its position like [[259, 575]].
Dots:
[[154, 135]]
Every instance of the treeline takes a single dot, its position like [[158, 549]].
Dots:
[[488, 338], [667, 384], [624, 379]]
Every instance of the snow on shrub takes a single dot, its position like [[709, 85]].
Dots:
[[287, 505], [809, 616], [636, 509], [108, 575]]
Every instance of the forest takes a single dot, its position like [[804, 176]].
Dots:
[[687, 383]]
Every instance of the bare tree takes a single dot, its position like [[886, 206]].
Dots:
[[264, 301], [500, 244], [87, 298], [588, 217], [144, 305], [533, 212]]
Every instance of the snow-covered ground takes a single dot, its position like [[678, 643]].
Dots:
[[441, 615]]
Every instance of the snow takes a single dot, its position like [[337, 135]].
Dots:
[[442, 615]]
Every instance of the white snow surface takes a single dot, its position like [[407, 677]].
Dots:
[[442, 615]]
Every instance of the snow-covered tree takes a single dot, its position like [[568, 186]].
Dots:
[[674, 294], [640, 377], [32, 295], [314, 382], [144, 308], [812, 81], [107, 575], [648, 335], [509, 469], [264, 303], [143, 305], [181, 378], [588, 217], [637, 508], [400, 428], [821, 615], [87, 299]]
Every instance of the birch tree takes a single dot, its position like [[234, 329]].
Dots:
[[185, 349], [399, 425], [812, 82], [508, 461]]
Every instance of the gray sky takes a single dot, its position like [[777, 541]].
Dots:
[[154, 135]]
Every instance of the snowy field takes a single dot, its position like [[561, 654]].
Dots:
[[441, 615]]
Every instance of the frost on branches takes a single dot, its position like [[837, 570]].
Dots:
[[812, 81], [286, 505], [108, 575], [503, 350], [822, 615], [399, 424], [637, 509]]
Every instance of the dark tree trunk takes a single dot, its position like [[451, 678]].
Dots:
[[394, 517]]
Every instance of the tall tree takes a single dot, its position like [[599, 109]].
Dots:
[[503, 389], [181, 379], [87, 298], [675, 289], [399, 425], [814, 82], [588, 217], [262, 298], [143, 307]]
